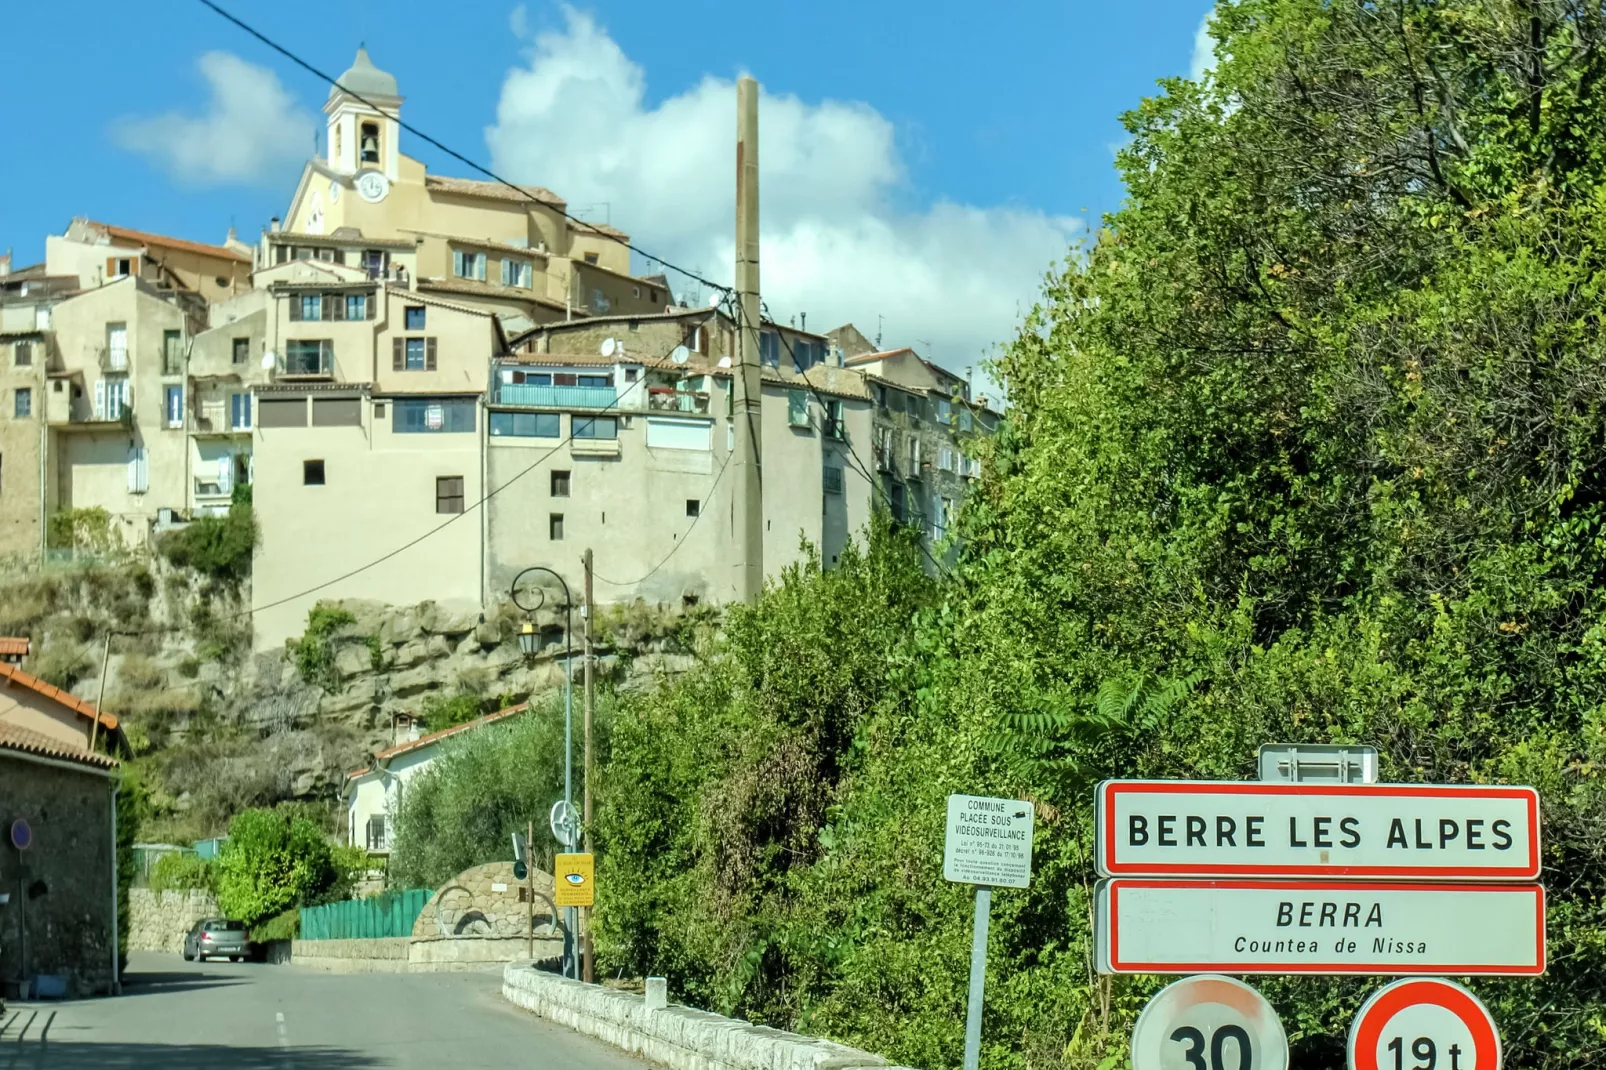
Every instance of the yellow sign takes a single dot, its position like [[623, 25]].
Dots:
[[572, 875]]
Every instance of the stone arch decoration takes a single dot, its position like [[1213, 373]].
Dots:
[[485, 901]]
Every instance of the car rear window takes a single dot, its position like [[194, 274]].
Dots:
[[224, 925]]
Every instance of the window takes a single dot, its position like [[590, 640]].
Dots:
[[554, 527], [309, 356], [116, 346], [432, 415], [883, 448], [307, 307], [669, 433], [591, 258], [415, 317], [806, 354], [123, 266], [242, 350], [375, 261], [516, 273], [312, 473], [769, 348], [654, 297], [173, 405], [111, 398], [448, 494], [412, 354], [368, 143], [379, 410], [945, 411], [596, 427], [139, 471], [914, 455], [560, 484], [560, 379], [897, 496], [693, 506], [240, 412], [22, 404], [835, 426], [357, 306], [635, 291], [336, 412], [594, 380], [797, 408], [377, 839], [525, 424], [832, 479], [467, 265], [600, 303], [282, 412], [964, 418], [696, 338], [630, 375], [172, 353], [22, 354]]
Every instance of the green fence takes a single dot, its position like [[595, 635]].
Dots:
[[392, 914]]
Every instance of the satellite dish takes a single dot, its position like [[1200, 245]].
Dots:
[[724, 362], [268, 361], [680, 355], [610, 346]]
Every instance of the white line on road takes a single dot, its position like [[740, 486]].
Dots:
[[284, 1033]]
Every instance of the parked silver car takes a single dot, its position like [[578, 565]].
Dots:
[[219, 938]]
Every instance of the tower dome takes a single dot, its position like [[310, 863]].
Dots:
[[364, 79]]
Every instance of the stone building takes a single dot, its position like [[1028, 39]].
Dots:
[[58, 838]]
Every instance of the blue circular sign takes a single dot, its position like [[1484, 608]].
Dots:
[[21, 835]]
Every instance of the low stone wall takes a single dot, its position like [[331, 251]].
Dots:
[[676, 1037], [387, 955], [403, 954], [158, 921]]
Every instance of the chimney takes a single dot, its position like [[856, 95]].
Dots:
[[273, 225], [5, 264]]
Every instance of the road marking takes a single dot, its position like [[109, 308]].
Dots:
[[284, 1033]]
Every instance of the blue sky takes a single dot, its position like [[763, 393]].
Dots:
[[922, 162]]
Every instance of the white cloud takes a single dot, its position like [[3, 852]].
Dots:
[[251, 131], [1204, 49], [834, 245]]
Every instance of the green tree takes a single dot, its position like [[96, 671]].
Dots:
[[219, 547], [273, 860]]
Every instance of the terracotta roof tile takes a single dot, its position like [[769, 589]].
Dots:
[[10, 645], [469, 187], [141, 237], [15, 737], [436, 737], [72, 702]]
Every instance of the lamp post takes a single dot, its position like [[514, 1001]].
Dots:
[[527, 639]]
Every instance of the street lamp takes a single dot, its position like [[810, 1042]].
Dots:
[[527, 638]]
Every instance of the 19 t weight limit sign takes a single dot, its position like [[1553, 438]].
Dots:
[[1425, 1023]]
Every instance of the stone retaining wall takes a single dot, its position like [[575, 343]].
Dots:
[[401, 954], [386, 955], [158, 921], [676, 1037]]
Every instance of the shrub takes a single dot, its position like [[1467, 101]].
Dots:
[[282, 926], [82, 529], [218, 547], [272, 861], [179, 871], [314, 653]]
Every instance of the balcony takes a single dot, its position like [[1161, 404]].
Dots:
[[667, 399], [556, 397], [309, 360], [112, 358]]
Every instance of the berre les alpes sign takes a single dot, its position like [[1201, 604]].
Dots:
[[1420, 832]]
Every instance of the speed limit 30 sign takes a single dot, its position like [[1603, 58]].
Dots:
[[1424, 1023], [1209, 1022]]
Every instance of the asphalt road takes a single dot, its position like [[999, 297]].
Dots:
[[177, 1015]]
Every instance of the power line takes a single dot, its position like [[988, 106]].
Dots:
[[707, 497], [453, 153]]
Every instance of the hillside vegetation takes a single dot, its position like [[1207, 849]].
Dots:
[[1310, 445]]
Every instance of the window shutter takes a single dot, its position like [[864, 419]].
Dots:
[[429, 355], [397, 356], [100, 399], [335, 307], [139, 480], [225, 474], [295, 308], [111, 267], [369, 302]]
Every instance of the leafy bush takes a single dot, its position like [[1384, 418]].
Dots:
[[439, 713], [485, 785], [273, 860], [314, 653], [179, 871], [219, 547], [82, 529], [282, 926]]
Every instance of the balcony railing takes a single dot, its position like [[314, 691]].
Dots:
[[556, 397], [661, 399], [112, 358], [318, 362]]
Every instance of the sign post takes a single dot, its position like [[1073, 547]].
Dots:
[[989, 844]]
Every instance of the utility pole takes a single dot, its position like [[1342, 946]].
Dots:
[[748, 518], [587, 612], [100, 698]]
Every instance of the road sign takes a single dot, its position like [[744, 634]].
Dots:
[[1194, 828], [1319, 927], [989, 842], [1209, 1021], [520, 870], [1424, 1023], [572, 880], [563, 822], [21, 834]]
